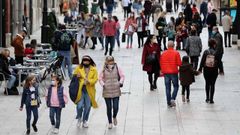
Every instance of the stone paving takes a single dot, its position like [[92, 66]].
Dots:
[[143, 112]]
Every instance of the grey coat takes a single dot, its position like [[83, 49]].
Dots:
[[219, 39], [194, 46]]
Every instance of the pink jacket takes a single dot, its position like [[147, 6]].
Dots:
[[109, 28], [54, 98], [129, 22]]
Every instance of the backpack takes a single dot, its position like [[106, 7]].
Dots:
[[65, 41], [210, 60]]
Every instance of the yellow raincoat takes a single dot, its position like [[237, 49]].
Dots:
[[92, 78]]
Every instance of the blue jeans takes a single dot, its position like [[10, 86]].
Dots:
[[30, 109], [117, 36], [84, 104], [109, 40], [11, 81], [66, 61], [55, 111], [112, 104], [109, 8], [130, 39], [171, 78]]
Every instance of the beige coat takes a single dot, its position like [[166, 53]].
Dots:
[[226, 23]]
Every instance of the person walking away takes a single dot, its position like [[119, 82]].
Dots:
[[117, 35], [194, 48], [171, 33], [130, 28], [100, 3], [188, 14], [56, 98], [89, 25], [227, 23], [197, 21], [109, 31], [64, 48], [88, 76], [217, 36], [125, 4], [161, 26], [30, 98], [176, 5], [204, 11], [109, 4], [81, 35], [155, 20], [170, 61], [186, 77], [147, 9], [150, 60], [17, 44], [210, 67], [211, 22], [141, 28], [111, 79], [97, 31]]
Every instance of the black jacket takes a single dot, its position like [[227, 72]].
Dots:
[[186, 74], [219, 39], [4, 68], [212, 20]]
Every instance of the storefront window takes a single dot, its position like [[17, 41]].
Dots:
[[224, 3]]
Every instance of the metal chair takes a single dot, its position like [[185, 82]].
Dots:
[[3, 80]]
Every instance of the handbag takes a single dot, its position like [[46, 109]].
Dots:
[[150, 59], [123, 37], [146, 33]]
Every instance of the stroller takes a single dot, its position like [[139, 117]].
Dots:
[[55, 68]]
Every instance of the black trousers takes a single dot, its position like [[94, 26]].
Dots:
[[176, 5], [210, 76], [227, 35], [140, 39], [186, 88], [112, 105], [19, 60], [194, 62], [125, 12], [159, 39], [150, 78]]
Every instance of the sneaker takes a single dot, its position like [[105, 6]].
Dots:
[[79, 122], [28, 132], [110, 126], [115, 121], [55, 131], [35, 128], [85, 125], [173, 103], [183, 98]]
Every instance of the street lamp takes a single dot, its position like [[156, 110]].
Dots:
[[45, 27]]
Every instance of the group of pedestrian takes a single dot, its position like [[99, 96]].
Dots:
[[111, 78]]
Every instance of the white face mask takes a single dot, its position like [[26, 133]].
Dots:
[[53, 83], [110, 66]]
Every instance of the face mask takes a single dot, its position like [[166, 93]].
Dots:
[[86, 65], [214, 32], [110, 66], [8, 58], [53, 83]]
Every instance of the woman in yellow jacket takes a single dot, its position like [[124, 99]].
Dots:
[[88, 76]]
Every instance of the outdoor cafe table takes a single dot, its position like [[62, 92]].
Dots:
[[36, 62], [21, 68]]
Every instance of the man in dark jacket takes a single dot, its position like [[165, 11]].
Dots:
[[4, 68], [204, 11], [109, 5], [211, 22], [217, 36]]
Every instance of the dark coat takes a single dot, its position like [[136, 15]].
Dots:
[[186, 74], [188, 14], [4, 68], [147, 7], [26, 97], [147, 50], [212, 20], [219, 40]]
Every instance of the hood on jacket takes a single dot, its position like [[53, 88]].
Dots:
[[185, 67]]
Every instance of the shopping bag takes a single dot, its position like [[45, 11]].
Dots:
[[123, 37]]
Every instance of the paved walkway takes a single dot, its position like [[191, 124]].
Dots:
[[143, 112]]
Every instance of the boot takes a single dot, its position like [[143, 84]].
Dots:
[[183, 98]]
